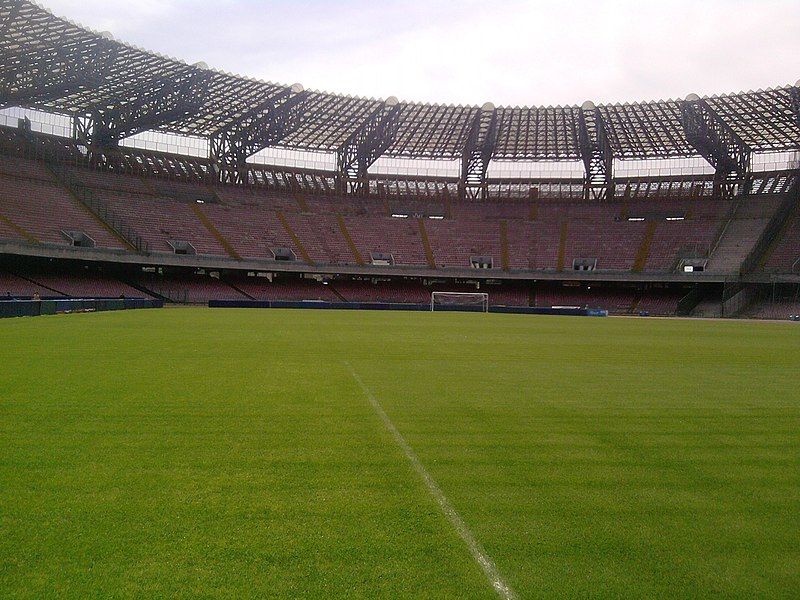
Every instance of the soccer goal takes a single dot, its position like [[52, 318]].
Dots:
[[460, 301]]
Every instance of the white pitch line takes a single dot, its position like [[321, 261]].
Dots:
[[478, 553]]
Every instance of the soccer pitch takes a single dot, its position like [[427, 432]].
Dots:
[[278, 453]]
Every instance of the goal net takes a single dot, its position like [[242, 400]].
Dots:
[[464, 301]]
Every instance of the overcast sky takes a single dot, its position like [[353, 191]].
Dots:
[[510, 52]]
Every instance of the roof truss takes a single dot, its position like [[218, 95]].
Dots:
[[57, 66], [365, 145]]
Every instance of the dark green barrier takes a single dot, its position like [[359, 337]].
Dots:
[[48, 307], [33, 308]]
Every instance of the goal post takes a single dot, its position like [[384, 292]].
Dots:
[[460, 301]]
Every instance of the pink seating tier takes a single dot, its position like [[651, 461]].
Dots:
[[87, 286], [45, 210], [694, 237], [775, 310], [293, 290], [613, 243], [660, 302], [251, 228], [399, 237], [785, 255], [613, 300], [157, 221], [255, 222], [12, 285], [194, 289]]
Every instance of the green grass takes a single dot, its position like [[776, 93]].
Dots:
[[227, 453]]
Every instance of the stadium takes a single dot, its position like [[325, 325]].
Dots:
[[292, 343]]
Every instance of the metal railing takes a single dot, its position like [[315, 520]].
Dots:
[[98, 207], [771, 231]]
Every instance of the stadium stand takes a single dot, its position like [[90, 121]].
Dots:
[[84, 285], [163, 221], [189, 288], [289, 290], [20, 287], [332, 231], [52, 211], [784, 256]]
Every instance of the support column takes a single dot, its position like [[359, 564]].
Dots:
[[714, 139], [598, 158], [795, 96], [364, 146], [264, 126], [477, 154], [102, 127]]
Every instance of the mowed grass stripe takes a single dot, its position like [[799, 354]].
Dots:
[[225, 453], [189, 453], [484, 561], [616, 456]]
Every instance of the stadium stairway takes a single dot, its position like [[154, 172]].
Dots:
[[39, 284], [238, 289], [644, 249], [337, 293], [739, 235], [780, 243], [349, 239], [504, 245], [84, 197], [296, 240], [223, 241], [146, 291], [21, 231], [301, 203], [94, 206], [562, 246], [426, 244]]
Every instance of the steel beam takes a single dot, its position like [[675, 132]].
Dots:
[[161, 102], [13, 12], [271, 121], [30, 80], [477, 153], [364, 146], [794, 93], [596, 153], [716, 142]]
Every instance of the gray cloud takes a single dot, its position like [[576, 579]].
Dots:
[[507, 51]]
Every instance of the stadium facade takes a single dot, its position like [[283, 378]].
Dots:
[[677, 205]]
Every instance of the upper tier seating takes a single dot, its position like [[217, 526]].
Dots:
[[784, 256], [227, 221], [45, 209], [158, 221]]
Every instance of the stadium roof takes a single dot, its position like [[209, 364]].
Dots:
[[55, 65]]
